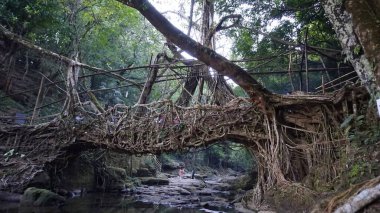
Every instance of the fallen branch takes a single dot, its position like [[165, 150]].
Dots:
[[356, 197], [360, 200]]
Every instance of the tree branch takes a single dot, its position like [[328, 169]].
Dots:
[[254, 89], [236, 17], [191, 17], [219, 26]]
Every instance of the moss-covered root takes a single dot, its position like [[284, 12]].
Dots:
[[41, 197]]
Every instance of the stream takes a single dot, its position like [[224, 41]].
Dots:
[[181, 195]]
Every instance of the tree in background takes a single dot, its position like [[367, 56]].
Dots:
[[102, 33]]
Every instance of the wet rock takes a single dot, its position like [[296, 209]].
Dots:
[[41, 197], [154, 181]]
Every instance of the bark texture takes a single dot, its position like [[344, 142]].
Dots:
[[356, 24]]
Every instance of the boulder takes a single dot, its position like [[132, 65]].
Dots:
[[41, 197]]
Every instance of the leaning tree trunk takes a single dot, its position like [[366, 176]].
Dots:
[[256, 91], [356, 25]]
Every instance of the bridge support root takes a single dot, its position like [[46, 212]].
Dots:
[[304, 155]]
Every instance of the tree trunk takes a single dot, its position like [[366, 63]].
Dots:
[[223, 66], [189, 87], [356, 26], [221, 93], [220, 90], [149, 82]]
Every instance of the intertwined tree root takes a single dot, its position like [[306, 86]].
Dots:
[[149, 128]]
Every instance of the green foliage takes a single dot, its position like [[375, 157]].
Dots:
[[288, 20], [22, 16], [356, 170], [104, 33], [361, 130]]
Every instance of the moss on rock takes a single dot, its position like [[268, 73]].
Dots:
[[41, 197]]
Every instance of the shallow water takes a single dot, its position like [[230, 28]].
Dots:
[[103, 203]]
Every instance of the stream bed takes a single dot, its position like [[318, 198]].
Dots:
[[103, 203], [181, 195]]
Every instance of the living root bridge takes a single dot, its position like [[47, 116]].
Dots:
[[163, 127], [289, 144]]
